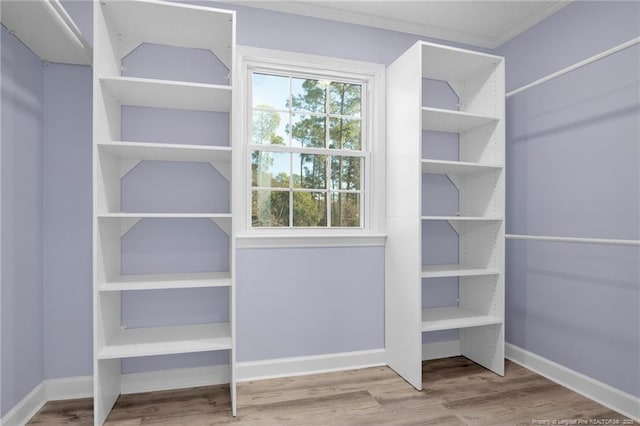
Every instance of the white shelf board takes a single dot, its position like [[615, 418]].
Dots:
[[443, 120], [46, 28], [456, 167], [167, 281], [172, 24], [435, 319], [463, 218], [149, 92], [452, 64], [134, 342], [164, 216], [440, 271], [167, 152]]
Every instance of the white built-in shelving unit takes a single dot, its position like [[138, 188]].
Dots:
[[478, 177], [119, 28]]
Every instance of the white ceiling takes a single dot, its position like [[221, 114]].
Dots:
[[480, 23]]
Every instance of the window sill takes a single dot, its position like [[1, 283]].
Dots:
[[310, 240]]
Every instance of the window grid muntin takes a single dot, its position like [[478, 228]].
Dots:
[[363, 152], [364, 102], [328, 191]]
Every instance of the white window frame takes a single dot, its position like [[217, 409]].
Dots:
[[372, 233]]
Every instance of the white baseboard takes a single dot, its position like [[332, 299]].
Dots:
[[69, 388], [602, 393], [299, 366], [438, 350], [26, 408], [82, 387], [178, 378]]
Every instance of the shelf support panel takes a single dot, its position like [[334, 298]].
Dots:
[[126, 165], [127, 223], [224, 168], [224, 224]]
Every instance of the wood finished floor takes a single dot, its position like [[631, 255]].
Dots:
[[457, 392]]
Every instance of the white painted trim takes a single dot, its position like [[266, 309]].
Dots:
[[300, 366], [296, 61], [372, 233], [26, 408], [601, 393], [69, 388], [179, 378], [528, 23], [285, 241], [437, 350]]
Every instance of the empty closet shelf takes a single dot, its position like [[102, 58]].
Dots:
[[166, 152], [167, 281], [442, 120], [452, 64], [164, 216], [147, 92], [440, 271], [137, 342], [174, 24], [464, 218], [435, 319], [456, 167]]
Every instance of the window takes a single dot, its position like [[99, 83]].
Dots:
[[306, 150], [311, 130]]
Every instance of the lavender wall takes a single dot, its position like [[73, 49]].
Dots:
[[573, 170], [298, 302], [21, 222], [67, 210]]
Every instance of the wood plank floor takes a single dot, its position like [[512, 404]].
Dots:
[[457, 392]]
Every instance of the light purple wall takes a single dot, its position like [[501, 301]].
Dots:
[[573, 170], [298, 302], [21, 312], [67, 218]]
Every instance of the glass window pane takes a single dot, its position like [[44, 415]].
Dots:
[[344, 133], [345, 210], [270, 169], [309, 208], [345, 99], [269, 208], [270, 91], [270, 127], [308, 131], [309, 171], [308, 95], [345, 172]]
